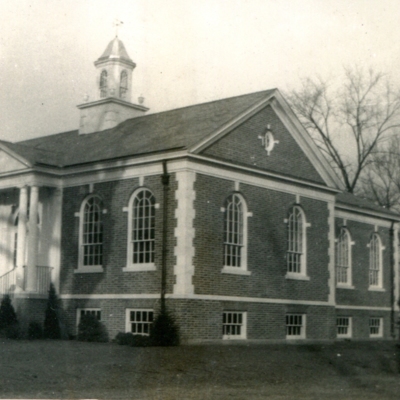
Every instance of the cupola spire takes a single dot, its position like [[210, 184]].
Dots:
[[112, 104]]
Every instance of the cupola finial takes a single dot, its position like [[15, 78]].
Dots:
[[117, 23]]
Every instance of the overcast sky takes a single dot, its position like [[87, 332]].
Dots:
[[186, 51]]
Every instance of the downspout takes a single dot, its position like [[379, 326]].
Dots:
[[392, 283], [165, 183]]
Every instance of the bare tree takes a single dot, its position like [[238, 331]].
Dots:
[[360, 113], [380, 180]]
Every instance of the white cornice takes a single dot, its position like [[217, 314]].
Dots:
[[259, 177], [365, 216]]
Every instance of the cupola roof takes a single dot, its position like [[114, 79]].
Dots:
[[115, 51]]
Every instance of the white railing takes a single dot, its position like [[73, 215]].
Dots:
[[8, 281], [43, 279]]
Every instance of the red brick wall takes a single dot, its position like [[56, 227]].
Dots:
[[360, 322], [360, 295], [115, 196], [242, 146], [267, 246]]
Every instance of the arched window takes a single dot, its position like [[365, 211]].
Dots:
[[141, 230], [103, 84], [296, 252], [343, 257], [235, 232], [123, 86], [375, 261], [91, 232]]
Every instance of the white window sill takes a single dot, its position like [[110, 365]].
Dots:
[[139, 267], [89, 269], [376, 289], [343, 336], [300, 337], [344, 286], [234, 271], [233, 337], [376, 336], [299, 277]]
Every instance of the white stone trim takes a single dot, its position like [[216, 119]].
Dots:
[[88, 269], [141, 180], [367, 308], [246, 175], [331, 252], [234, 271], [237, 186], [366, 217], [184, 232], [396, 282], [140, 267], [297, 276], [198, 297]]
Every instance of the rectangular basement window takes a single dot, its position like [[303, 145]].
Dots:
[[139, 321], [234, 325], [344, 327], [87, 311], [375, 327], [295, 326]]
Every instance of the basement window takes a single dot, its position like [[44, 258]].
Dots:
[[139, 321], [96, 312], [234, 325], [344, 327], [295, 326], [375, 327]]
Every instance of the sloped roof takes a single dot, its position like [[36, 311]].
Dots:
[[115, 50], [349, 199], [176, 129]]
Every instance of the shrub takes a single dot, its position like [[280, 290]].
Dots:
[[90, 329], [35, 330], [51, 322], [8, 317], [128, 339], [141, 341], [124, 339], [13, 331], [164, 331]]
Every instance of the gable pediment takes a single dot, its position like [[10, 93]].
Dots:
[[247, 140]]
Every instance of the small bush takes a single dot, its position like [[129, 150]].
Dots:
[[13, 331], [124, 339], [51, 321], [35, 330], [8, 317], [90, 329], [164, 331], [128, 339]]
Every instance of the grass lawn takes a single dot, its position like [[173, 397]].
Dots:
[[70, 369]]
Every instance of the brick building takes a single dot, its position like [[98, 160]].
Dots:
[[231, 199]]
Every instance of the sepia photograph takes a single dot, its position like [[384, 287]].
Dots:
[[200, 199]]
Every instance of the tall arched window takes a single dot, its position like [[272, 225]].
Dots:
[[103, 84], [235, 232], [141, 230], [375, 261], [296, 252], [91, 232], [343, 257], [123, 86]]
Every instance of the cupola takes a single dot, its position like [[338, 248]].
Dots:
[[112, 104]]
